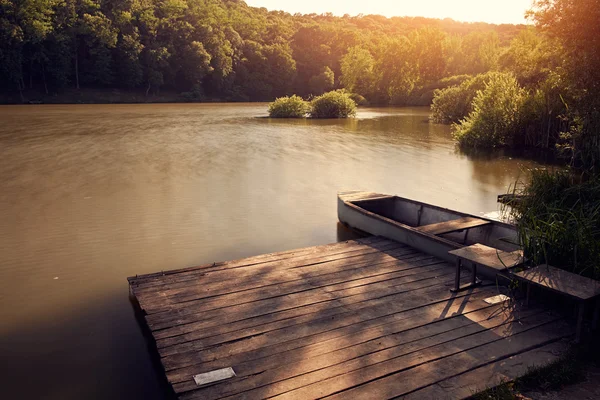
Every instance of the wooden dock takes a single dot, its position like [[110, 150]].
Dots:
[[363, 319]]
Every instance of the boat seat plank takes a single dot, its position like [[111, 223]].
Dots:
[[454, 225], [561, 281]]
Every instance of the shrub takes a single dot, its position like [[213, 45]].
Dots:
[[454, 103], [194, 95], [558, 218], [359, 100], [289, 107], [334, 104], [497, 114]]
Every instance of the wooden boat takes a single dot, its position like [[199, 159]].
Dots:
[[431, 229]]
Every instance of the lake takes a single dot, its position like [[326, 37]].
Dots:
[[92, 194]]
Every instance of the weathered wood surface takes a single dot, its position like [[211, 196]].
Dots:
[[453, 226], [489, 256], [560, 281], [368, 318]]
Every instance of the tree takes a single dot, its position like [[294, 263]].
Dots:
[[575, 24], [395, 71], [229, 50], [428, 53], [323, 82], [358, 71]]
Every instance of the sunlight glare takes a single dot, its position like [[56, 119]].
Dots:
[[507, 11]]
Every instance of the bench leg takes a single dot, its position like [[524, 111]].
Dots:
[[474, 277], [528, 294], [579, 321], [457, 278], [596, 314]]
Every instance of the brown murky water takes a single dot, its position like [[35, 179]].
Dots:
[[91, 194]]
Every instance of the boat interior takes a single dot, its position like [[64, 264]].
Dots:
[[460, 228]]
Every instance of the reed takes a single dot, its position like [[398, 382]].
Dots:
[[558, 219]]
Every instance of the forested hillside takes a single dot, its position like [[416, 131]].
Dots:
[[224, 49]]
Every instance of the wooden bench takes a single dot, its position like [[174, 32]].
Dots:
[[454, 225], [479, 254], [566, 283]]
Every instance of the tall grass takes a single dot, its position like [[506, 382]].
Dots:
[[558, 218]]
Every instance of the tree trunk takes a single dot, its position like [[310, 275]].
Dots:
[[30, 74], [44, 78], [77, 69], [21, 92]]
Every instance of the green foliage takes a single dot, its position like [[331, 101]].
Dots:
[[231, 50], [194, 95], [334, 104], [289, 107], [496, 117], [359, 100], [357, 70], [322, 82], [558, 217], [574, 25], [454, 103]]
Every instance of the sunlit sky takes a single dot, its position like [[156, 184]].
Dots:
[[493, 11]]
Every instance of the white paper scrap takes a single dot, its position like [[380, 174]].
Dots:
[[496, 299], [214, 376]]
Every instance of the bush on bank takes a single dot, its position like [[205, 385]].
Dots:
[[289, 107], [454, 103], [334, 104], [497, 115]]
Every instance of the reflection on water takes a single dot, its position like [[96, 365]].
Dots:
[[92, 194]]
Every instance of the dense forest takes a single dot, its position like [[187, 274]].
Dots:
[[501, 85], [226, 50]]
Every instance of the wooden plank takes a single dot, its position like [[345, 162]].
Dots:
[[186, 323], [139, 279], [286, 318], [403, 338], [257, 261], [192, 277], [259, 347], [355, 195], [210, 283], [489, 256], [358, 313], [508, 369], [197, 314], [333, 281], [409, 276], [194, 310], [364, 368], [151, 303], [561, 281], [429, 313], [281, 332], [453, 225], [305, 333], [402, 375]]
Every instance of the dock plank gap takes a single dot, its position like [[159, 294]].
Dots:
[[367, 318]]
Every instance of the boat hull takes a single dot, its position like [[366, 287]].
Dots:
[[398, 218]]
